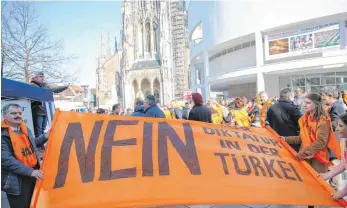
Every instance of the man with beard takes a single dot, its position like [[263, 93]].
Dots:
[[20, 163]]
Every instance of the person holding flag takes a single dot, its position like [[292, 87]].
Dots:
[[20, 161]]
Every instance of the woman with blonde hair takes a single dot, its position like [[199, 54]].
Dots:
[[239, 113]]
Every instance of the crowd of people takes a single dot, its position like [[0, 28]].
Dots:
[[315, 125]]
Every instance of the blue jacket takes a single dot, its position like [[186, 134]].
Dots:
[[12, 170], [154, 111], [139, 111]]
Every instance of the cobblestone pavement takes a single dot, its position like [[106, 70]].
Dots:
[[4, 204]]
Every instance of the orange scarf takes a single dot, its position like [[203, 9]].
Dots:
[[263, 112], [21, 145], [345, 98], [326, 109], [308, 135]]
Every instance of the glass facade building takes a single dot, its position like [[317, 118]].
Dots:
[[313, 82]]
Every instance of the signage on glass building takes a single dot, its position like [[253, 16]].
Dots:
[[303, 41]]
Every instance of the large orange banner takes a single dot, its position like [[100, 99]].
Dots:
[[116, 161]]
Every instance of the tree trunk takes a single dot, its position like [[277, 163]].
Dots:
[[2, 63], [27, 70]]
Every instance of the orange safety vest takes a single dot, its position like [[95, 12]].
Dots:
[[308, 136], [21, 145], [263, 112]]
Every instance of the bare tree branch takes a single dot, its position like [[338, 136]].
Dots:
[[26, 46]]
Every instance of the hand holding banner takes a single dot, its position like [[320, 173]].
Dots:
[[116, 161]]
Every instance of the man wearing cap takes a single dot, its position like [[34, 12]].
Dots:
[[39, 114], [151, 108]]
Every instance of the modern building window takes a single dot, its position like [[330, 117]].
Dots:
[[313, 82]]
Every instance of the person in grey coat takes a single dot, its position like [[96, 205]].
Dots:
[[151, 108], [330, 96], [17, 179], [299, 100]]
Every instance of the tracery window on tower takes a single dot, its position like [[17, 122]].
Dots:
[[148, 37], [158, 5], [140, 38], [155, 34]]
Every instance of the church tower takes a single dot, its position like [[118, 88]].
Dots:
[[147, 60], [108, 75]]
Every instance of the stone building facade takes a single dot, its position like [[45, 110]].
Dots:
[[179, 23], [107, 75], [146, 51]]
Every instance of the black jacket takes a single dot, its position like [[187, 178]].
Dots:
[[37, 108], [139, 111], [200, 113], [12, 170], [284, 118], [335, 111], [155, 112]]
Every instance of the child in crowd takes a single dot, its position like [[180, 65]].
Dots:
[[340, 168]]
